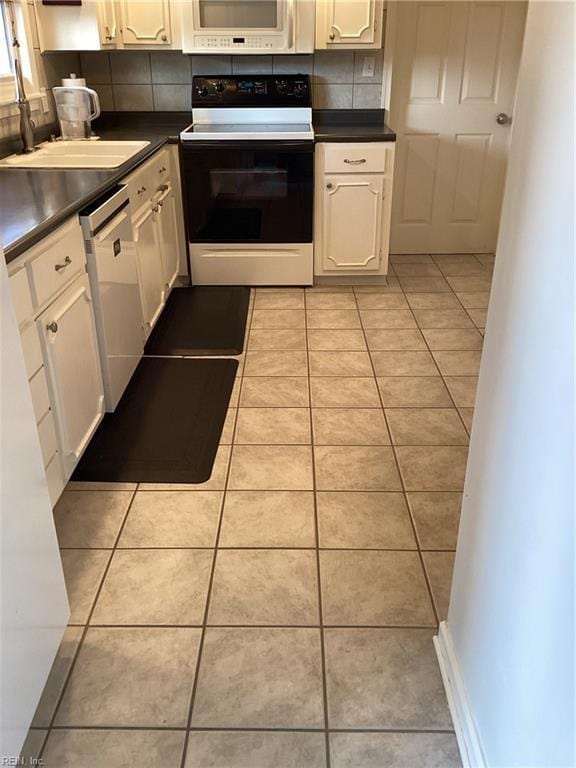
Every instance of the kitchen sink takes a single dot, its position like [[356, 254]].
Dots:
[[76, 154]]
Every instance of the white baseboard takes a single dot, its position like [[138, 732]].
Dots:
[[467, 735]]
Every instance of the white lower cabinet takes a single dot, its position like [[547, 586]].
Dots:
[[158, 232], [165, 210], [70, 346], [51, 295], [352, 209], [150, 270], [352, 225], [57, 330]]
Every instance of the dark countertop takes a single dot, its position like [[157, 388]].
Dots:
[[351, 125], [35, 202]]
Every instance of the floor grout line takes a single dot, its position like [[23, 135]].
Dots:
[[318, 569], [215, 555], [402, 483], [236, 729]]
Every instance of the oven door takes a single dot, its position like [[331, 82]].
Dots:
[[248, 192]]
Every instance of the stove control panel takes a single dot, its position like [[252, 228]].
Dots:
[[252, 91]]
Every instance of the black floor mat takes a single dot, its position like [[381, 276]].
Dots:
[[201, 320], [167, 426]]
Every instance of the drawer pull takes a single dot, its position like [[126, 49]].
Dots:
[[332, 36], [141, 190], [329, 185], [355, 162], [60, 267], [53, 326], [162, 188]]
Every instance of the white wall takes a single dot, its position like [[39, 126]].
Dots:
[[512, 608]]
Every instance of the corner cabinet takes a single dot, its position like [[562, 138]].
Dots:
[[353, 199], [349, 24]]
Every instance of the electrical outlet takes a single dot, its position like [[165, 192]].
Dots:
[[368, 64]]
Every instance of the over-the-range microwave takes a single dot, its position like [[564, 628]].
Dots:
[[248, 26]]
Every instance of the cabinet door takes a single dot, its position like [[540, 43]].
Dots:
[[107, 23], [150, 272], [353, 23], [145, 23], [352, 222], [71, 355], [168, 234]]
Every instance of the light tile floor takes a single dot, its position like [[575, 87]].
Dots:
[[282, 613]]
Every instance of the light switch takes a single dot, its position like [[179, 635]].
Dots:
[[368, 64]]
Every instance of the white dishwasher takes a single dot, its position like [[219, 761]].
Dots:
[[113, 272]]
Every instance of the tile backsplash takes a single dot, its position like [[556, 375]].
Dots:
[[160, 81]]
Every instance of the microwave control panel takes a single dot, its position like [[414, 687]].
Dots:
[[252, 91], [230, 43]]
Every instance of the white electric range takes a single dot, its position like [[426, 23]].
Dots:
[[248, 179]]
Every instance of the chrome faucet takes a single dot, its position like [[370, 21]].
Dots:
[[26, 122]]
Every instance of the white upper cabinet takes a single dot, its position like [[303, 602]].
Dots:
[[108, 25], [145, 23], [349, 23]]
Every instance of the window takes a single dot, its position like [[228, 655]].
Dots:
[[23, 21], [5, 61]]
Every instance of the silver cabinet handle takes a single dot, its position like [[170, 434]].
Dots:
[[53, 326], [355, 162], [503, 119], [59, 267]]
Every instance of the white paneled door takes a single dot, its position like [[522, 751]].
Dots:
[[453, 86]]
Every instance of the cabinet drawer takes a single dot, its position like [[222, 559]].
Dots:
[[21, 296], [357, 158], [144, 182], [58, 260], [47, 435], [40, 396], [32, 350]]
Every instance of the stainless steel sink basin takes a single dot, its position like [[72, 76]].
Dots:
[[76, 154]]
